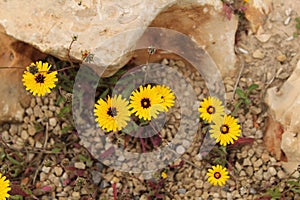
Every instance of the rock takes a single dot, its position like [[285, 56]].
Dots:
[[249, 171], [272, 171], [24, 135], [76, 195], [180, 149], [104, 27], [181, 191], [273, 137], [263, 37], [284, 106], [58, 171], [258, 54], [46, 169], [247, 162], [281, 175], [43, 176], [96, 177], [79, 165], [199, 184], [256, 12], [14, 97], [52, 121], [257, 163], [281, 58]]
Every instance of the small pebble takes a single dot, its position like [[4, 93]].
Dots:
[[52, 121], [272, 171], [24, 135], [46, 169], [79, 165], [58, 171], [258, 54], [181, 191], [281, 58], [247, 162], [257, 163], [180, 149], [281, 174]]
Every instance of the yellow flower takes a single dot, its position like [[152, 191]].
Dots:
[[246, 1], [112, 114], [164, 175], [217, 175], [4, 187], [225, 130], [37, 80], [166, 95], [211, 109], [145, 103]]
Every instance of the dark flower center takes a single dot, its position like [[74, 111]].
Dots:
[[211, 110], [145, 103], [217, 175], [112, 111], [224, 129], [40, 78]]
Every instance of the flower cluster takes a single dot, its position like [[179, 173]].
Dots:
[[38, 80], [146, 103], [4, 187], [225, 128]]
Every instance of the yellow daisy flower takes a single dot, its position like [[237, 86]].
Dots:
[[37, 80], [225, 130], [113, 114], [211, 109], [4, 187], [164, 175], [217, 175], [166, 95], [145, 103]]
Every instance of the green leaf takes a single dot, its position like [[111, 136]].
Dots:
[[16, 197], [298, 26], [241, 93], [56, 150], [13, 161], [2, 155], [247, 101], [82, 158], [59, 100], [274, 193], [66, 129], [252, 87], [294, 183], [104, 94], [296, 190], [297, 19], [65, 110]]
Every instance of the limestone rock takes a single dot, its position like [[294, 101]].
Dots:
[[104, 27], [13, 94], [284, 108], [256, 12]]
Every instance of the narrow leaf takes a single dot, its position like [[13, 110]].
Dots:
[[241, 93], [252, 87]]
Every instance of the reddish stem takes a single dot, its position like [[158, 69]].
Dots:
[[114, 186]]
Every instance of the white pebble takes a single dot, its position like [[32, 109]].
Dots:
[[180, 149], [52, 121]]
